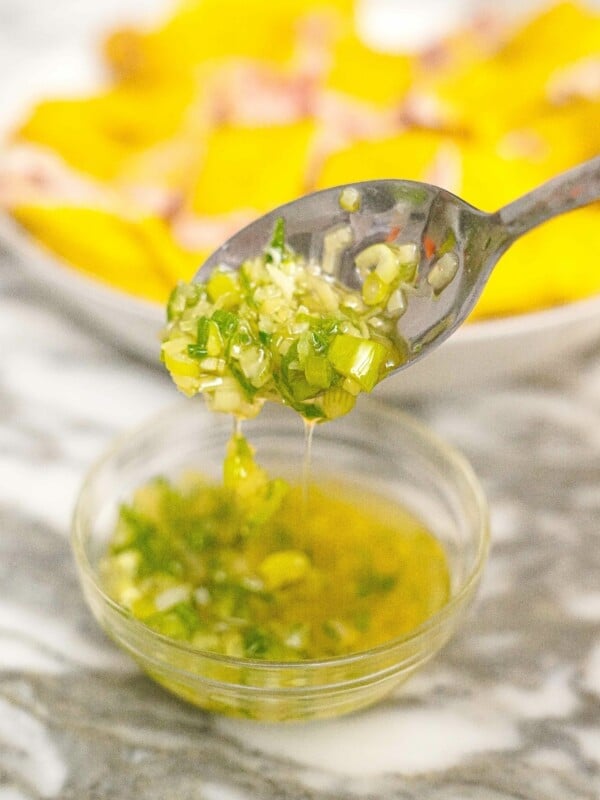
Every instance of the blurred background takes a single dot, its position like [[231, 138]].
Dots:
[[138, 135]]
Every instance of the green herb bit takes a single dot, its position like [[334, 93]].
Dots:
[[310, 411], [449, 242], [362, 620], [200, 349], [371, 582], [276, 249], [246, 386], [182, 296], [156, 554], [179, 622], [226, 321], [257, 642]]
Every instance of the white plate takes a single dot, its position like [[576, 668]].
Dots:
[[479, 353]]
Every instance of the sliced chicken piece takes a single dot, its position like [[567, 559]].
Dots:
[[205, 233], [29, 173], [579, 81]]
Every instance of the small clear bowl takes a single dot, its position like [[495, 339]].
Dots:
[[376, 445]]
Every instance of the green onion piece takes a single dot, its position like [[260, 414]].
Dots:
[[319, 340], [168, 624], [297, 387], [318, 371], [214, 340], [224, 287], [208, 341], [178, 622], [301, 389], [226, 321], [380, 257], [336, 402], [321, 336], [177, 360], [247, 287], [374, 290], [175, 305], [357, 358], [196, 351]]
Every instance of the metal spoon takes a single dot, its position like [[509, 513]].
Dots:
[[407, 211]]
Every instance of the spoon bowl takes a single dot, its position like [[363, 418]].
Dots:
[[439, 222]]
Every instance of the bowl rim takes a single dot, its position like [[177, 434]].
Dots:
[[369, 406]]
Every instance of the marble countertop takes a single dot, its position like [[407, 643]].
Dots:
[[510, 710]]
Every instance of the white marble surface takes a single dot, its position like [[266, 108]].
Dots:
[[511, 708]]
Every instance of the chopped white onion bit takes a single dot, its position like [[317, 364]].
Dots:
[[350, 199], [334, 244], [171, 597], [202, 596], [443, 272], [397, 303], [407, 254], [325, 293], [128, 561], [210, 364], [285, 283]]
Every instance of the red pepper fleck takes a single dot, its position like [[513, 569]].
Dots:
[[428, 246], [393, 234]]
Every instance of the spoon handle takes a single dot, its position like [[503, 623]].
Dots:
[[574, 188]]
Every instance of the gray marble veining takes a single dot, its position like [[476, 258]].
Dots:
[[511, 709]]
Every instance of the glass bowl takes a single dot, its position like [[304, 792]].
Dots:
[[378, 446]]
